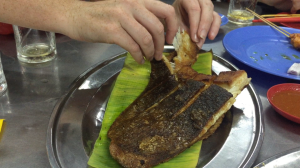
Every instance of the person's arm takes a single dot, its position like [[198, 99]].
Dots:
[[283, 5], [131, 24], [39, 14], [296, 6]]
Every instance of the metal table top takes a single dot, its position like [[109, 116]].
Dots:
[[33, 91]]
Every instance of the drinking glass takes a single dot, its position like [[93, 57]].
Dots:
[[3, 83], [34, 46], [237, 12]]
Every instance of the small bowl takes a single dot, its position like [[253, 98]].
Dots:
[[279, 88]]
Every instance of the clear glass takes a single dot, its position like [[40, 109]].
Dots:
[[3, 83], [34, 46], [237, 12]]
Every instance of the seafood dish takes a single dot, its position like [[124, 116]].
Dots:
[[295, 40], [178, 108]]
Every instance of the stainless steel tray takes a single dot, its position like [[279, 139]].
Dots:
[[76, 121], [287, 159]]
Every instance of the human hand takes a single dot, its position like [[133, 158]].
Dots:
[[198, 18], [296, 6], [132, 24], [282, 5]]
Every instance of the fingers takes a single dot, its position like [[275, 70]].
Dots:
[[129, 44], [202, 20], [155, 30], [212, 30], [193, 10], [131, 24], [206, 20], [215, 26], [146, 29], [166, 12], [142, 37]]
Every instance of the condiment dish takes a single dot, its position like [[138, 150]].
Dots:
[[285, 99]]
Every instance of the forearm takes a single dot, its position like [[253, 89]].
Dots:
[[284, 5], [50, 15]]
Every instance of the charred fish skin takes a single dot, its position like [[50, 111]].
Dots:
[[207, 104], [173, 136], [159, 137], [159, 73], [143, 136], [177, 100], [143, 124], [161, 82], [145, 101], [157, 94], [160, 124]]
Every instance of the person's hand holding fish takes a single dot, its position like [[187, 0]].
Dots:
[[135, 25], [198, 18], [132, 24]]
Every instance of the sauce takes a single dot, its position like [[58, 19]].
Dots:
[[286, 57], [253, 58], [288, 101], [295, 56]]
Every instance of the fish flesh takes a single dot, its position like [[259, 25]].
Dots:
[[295, 40], [178, 108]]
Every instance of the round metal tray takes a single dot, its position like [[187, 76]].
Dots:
[[287, 159], [76, 121]]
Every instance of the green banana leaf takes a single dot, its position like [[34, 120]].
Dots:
[[130, 83]]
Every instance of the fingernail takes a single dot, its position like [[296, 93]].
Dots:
[[200, 44], [143, 61], [212, 35], [196, 38], [203, 34], [158, 57]]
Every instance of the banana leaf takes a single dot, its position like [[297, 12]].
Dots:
[[130, 83]]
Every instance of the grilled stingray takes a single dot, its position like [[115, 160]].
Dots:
[[176, 109]]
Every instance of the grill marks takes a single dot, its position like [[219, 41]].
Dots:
[[169, 137], [207, 104], [168, 117], [178, 108]]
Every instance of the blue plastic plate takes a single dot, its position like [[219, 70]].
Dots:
[[263, 48], [224, 19]]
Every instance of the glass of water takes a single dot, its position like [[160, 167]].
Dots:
[[34, 46], [3, 83], [237, 12]]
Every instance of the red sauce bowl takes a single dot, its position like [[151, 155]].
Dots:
[[291, 87]]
